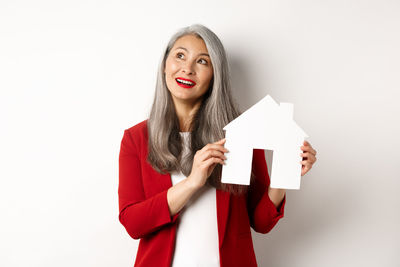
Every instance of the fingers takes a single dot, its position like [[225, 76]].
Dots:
[[308, 148], [309, 156], [307, 162], [216, 146], [212, 150], [207, 163], [205, 155], [305, 169], [220, 141]]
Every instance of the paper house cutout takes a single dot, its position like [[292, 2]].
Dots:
[[266, 125]]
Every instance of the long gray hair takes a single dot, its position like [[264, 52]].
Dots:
[[216, 110]]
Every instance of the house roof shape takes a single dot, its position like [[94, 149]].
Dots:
[[268, 110]]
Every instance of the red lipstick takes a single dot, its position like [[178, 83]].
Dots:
[[185, 83]]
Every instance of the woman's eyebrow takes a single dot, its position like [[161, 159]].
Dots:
[[201, 54]]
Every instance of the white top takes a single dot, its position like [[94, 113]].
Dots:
[[197, 229]]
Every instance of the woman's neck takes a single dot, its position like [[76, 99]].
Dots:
[[185, 113]]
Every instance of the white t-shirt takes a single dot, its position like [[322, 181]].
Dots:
[[197, 229]]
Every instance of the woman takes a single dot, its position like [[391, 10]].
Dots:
[[170, 193]]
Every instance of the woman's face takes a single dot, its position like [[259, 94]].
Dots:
[[188, 70]]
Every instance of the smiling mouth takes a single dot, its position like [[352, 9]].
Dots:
[[185, 83]]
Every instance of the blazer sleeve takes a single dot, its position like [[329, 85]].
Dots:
[[139, 215], [263, 214]]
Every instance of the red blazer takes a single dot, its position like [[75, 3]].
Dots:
[[144, 212]]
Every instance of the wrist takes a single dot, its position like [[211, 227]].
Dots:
[[278, 191], [191, 184]]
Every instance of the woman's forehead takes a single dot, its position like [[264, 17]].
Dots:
[[191, 43]]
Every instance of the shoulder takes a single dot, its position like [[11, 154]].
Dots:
[[137, 133], [138, 129]]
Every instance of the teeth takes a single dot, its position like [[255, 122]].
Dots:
[[185, 82]]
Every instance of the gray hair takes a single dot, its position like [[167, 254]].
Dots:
[[216, 110]]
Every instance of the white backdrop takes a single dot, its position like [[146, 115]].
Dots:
[[75, 74]]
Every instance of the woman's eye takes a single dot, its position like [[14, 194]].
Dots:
[[179, 55], [203, 61]]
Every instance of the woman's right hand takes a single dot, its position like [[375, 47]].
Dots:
[[205, 160]]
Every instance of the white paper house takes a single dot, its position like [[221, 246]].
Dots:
[[266, 125]]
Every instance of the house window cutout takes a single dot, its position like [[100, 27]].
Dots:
[[269, 157]]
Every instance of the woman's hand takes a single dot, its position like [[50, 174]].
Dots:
[[309, 157], [205, 160]]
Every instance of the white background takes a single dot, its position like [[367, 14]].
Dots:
[[75, 74]]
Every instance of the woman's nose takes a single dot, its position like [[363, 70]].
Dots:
[[188, 68]]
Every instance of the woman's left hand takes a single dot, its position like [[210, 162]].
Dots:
[[309, 157]]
